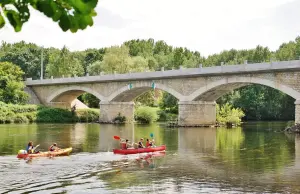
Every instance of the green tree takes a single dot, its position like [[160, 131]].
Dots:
[[26, 56], [11, 85], [90, 100], [169, 103], [70, 14], [95, 68], [139, 64], [117, 59], [63, 63], [91, 56]]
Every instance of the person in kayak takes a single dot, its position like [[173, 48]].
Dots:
[[30, 148], [148, 144], [140, 144], [125, 145], [54, 147]]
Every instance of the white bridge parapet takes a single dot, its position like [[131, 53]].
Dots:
[[189, 72]]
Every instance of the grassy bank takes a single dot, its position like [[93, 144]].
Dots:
[[10, 113]]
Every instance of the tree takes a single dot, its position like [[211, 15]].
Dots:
[[95, 68], [26, 56], [139, 64], [169, 103], [90, 100], [117, 59], [63, 63], [11, 85], [91, 56], [70, 14]]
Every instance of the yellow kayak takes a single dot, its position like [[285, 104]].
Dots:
[[61, 152]]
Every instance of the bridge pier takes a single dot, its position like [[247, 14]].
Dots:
[[297, 111], [110, 110], [196, 113]]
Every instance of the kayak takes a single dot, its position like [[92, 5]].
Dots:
[[139, 150], [61, 152]]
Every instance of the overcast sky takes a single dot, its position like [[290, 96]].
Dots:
[[208, 26]]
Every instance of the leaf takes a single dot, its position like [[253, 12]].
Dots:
[[2, 21], [64, 22], [84, 6], [14, 19]]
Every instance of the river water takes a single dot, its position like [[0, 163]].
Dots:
[[254, 158]]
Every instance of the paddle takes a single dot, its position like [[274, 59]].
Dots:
[[35, 148], [152, 135], [119, 138]]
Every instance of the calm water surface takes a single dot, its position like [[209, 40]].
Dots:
[[253, 159]]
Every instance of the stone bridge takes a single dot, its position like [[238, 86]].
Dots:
[[197, 89]]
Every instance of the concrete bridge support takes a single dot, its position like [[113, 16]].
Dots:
[[196, 113], [110, 110], [297, 111]]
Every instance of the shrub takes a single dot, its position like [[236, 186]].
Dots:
[[226, 115], [19, 118], [119, 119], [145, 114], [56, 115], [87, 115]]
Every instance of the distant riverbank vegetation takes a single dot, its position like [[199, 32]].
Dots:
[[10, 113], [22, 60]]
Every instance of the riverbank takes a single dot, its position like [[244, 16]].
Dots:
[[10, 113]]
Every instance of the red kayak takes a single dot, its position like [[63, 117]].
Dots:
[[139, 150]]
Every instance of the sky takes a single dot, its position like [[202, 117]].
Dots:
[[208, 26]]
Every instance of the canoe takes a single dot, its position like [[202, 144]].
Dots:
[[61, 152], [139, 150]]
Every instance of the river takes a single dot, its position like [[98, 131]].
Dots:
[[254, 158]]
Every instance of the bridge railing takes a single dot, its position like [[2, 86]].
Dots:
[[199, 70]]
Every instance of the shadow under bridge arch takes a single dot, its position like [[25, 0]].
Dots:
[[125, 94], [216, 89], [67, 96]]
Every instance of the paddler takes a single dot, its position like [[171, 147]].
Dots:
[[140, 144], [30, 148], [125, 145], [54, 147], [148, 143]]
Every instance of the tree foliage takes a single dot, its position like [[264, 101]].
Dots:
[[70, 14], [64, 63], [257, 102], [11, 85], [227, 115]]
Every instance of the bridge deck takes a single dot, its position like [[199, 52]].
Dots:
[[189, 72]]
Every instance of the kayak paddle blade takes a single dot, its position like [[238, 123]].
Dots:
[[151, 135], [117, 137]]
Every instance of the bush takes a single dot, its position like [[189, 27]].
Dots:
[[226, 115], [119, 119], [10, 113], [56, 115], [87, 115], [165, 116], [145, 114], [19, 118]]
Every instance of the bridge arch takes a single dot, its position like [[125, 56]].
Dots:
[[126, 95], [216, 89], [73, 91]]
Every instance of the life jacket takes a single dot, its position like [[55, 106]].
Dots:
[[147, 144], [29, 149], [123, 146], [51, 148], [140, 144]]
